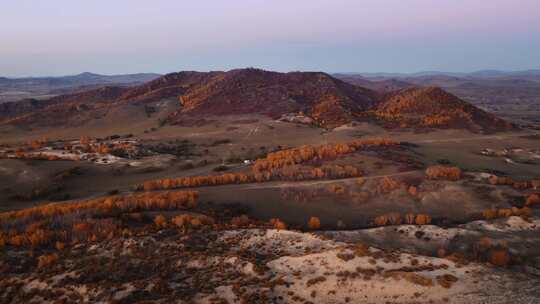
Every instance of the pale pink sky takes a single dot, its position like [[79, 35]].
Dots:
[[58, 37]]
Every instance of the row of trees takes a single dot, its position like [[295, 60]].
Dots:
[[289, 157], [49, 225], [282, 165], [395, 218], [443, 172], [506, 212], [43, 156], [109, 205], [292, 173], [500, 180]]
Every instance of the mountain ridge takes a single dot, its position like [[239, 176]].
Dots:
[[327, 100]]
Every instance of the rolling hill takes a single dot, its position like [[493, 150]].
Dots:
[[435, 108], [328, 101]]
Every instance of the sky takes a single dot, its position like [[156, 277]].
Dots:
[[63, 37]]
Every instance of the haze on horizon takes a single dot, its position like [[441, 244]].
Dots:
[[60, 37]]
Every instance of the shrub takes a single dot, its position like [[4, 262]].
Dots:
[[525, 211], [47, 260], [314, 223], [422, 219], [413, 191], [240, 221], [181, 220], [495, 180], [533, 199], [336, 189], [387, 184], [160, 221], [499, 257], [196, 222], [504, 212], [443, 172], [489, 214], [381, 220], [59, 246], [278, 224]]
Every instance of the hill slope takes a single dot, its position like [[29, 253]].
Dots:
[[330, 102], [434, 107], [327, 100]]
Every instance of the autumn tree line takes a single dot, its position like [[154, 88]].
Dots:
[[281, 165], [443, 172], [46, 224], [128, 203], [521, 185]]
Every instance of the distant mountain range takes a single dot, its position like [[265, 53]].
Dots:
[[13, 89], [476, 74], [82, 79]]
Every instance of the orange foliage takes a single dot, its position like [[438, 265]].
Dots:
[[381, 220], [533, 199], [240, 221], [495, 180], [396, 219], [84, 140], [388, 184], [82, 227], [499, 257], [436, 120], [295, 156], [504, 212], [44, 156], [60, 246], [336, 189], [489, 214], [413, 191], [443, 172], [47, 260], [422, 219], [160, 221], [185, 220], [314, 223], [278, 224], [17, 241], [169, 200], [525, 211], [281, 165], [39, 143], [288, 173], [494, 213], [39, 237]]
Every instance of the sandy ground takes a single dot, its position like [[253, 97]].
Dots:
[[271, 266]]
